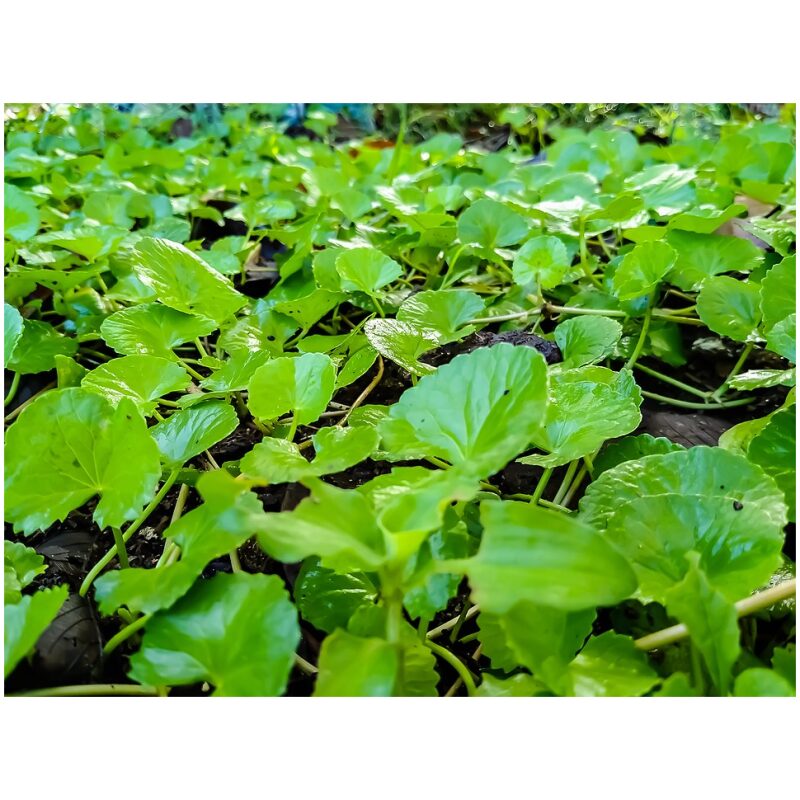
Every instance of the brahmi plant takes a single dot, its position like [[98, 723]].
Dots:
[[378, 418]]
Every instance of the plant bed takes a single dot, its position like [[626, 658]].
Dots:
[[495, 401]]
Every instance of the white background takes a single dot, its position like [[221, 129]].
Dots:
[[568, 51]]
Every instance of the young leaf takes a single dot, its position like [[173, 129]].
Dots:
[[303, 385], [543, 261], [631, 448], [642, 269], [89, 241], [183, 281], [152, 329], [730, 307], [774, 449], [520, 685], [328, 599], [262, 329], [588, 405], [238, 632], [37, 347], [444, 311], [402, 343], [21, 565], [587, 339], [739, 548], [490, 224], [545, 557], [25, 621], [12, 330], [68, 446], [763, 379], [476, 412], [189, 432], [609, 666], [334, 524], [365, 269], [21, 215], [236, 372], [143, 379], [761, 682], [351, 666], [711, 620]]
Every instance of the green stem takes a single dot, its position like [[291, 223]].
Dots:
[[94, 690], [236, 565], [200, 349], [170, 547], [587, 270], [398, 144], [503, 317], [191, 370], [456, 664], [378, 306], [637, 351], [574, 485], [125, 634], [673, 382], [541, 485], [292, 428], [22, 406], [12, 390], [737, 368], [140, 520], [742, 401], [566, 481], [451, 265], [119, 543]]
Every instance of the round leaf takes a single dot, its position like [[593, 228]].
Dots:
[[730, 307], [490, 224], [365, 269], [542, 260], [587, 339], [189, 432]]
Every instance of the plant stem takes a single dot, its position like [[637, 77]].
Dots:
[[170, 545], [503, 317], [456, 664], [132, 528], [125, 634], [200, 349], [236, 565], [305, 666], [292, 428], [587, 270], [673, 381], [737, 368], [191, 370], [637, 351], [742, 401], [749, 605], [12, 390], [541, 485], [119, 543], [435, 633], [566, 481], [365, 394], [574, 485], [94, 690]]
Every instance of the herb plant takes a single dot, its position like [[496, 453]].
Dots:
[[420, 417]]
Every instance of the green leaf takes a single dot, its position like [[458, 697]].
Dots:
[[89, 241], [545, 557], [337, 449], [676, 685], [328, 599], [665, 188], [476, 412], [761, 682], [711, 620], [336, 525], [351, 666], [543, 261], [445, 311], [229, 516], [70, 445], [25, 621], [12, 331], [21, 216], [189, 432], [520, 685], [402, 343], [587, 339], [587, 406], [143, 379], [490, 224], [739, 548], [763, 379], [238, 632], [730, 307], [642, 269], [357, 365], [183, 281], [784, 661], [701, 256], [262, 329], [365, 269], [631, 448], [152, 329], [782, 338], [236, 372], [21, 565], [774, 449], [609, 666], [778, 293], [705, 219], [706, 472], [37, 347], [309, 309]]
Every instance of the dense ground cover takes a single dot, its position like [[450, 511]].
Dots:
[[492, 400]]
